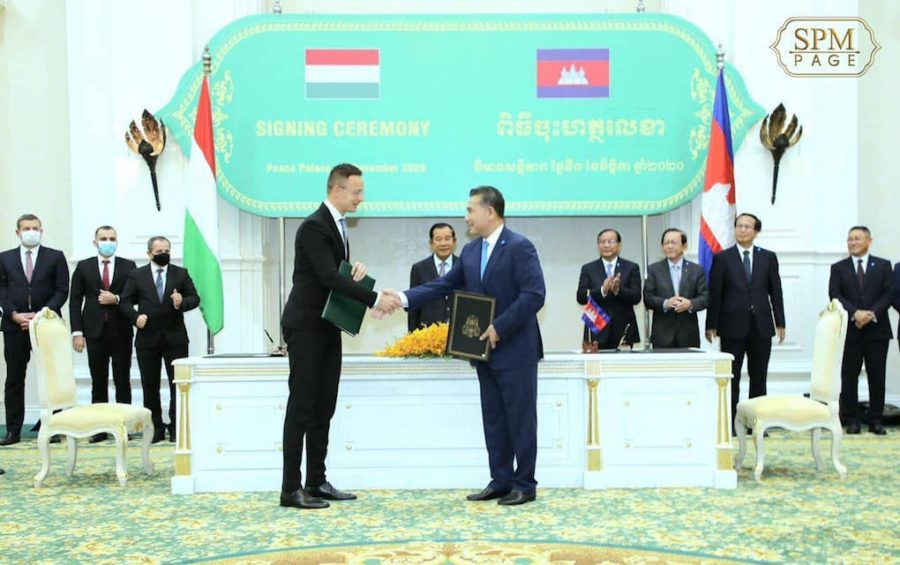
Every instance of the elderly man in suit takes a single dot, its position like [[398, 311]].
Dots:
[[675, 290], [313, 343], [32, 276], [442, 239], [746, 306], [615, 284], [504, 264], [862, 282], [97, 321], [162, 293]]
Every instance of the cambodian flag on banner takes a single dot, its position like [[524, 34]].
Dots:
[[717, 211], [573, 73], [594, 317]]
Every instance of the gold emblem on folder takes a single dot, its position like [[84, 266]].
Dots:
[[471, 328]]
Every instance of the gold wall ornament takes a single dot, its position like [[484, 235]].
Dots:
[[778, 139], [149, 144]]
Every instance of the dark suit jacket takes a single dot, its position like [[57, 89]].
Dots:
[[620, 307], [658, 288], [897, 294], [89, 316], [318, 252], [876, 295], [163, 319], [733, 301], [49, 284], [438, 311], [514, 277]]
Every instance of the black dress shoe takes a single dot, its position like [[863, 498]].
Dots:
[[56, 439], [853, 429], [2, 472], [327, 491], [877, 429], [97, 438], [516, 497], [171, 435], [159, 434], [489, 493], [10, 439], [301, 499]]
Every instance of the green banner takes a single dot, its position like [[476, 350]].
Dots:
[[566, 114]]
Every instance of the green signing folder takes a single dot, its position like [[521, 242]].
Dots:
[[344, 312]]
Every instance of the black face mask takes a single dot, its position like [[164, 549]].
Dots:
[[162, 259]]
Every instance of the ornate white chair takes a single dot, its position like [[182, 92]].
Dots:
[[798, 413], [51, 346]]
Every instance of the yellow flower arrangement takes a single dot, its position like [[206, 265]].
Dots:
[[424, 342]]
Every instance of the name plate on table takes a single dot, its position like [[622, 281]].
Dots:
[[470, 316]]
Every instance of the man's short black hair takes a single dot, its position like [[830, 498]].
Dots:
[[97, 231], [490, 196], [341, 173], [156, 238], [757, 223], [863, 229], [441, 225], [662, 240], [604, 230]]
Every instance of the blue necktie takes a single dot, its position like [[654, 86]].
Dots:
[[676, 277], [343, 222], [609, 269], [159, 285], [484, 256]]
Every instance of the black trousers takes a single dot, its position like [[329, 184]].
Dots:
[[17, 354], [115, 348], [758, 348], [150, 360], [315, 372], [874, 353]]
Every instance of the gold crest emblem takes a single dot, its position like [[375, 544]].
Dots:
[[471, 328]]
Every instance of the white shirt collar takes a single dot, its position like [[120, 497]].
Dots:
[[334, 211], [679, 263], [34, 251], [865, 260], [614, 262], [154, 268], [741, 250], [492, 239]]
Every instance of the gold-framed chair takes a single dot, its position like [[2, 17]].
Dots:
[[798, 413], [51, 346]]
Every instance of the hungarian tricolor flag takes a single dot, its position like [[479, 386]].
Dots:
[[594, 317], [201, 220], [717, 210], [343, 73]]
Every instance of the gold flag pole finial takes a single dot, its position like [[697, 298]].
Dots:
[[207, 61], [720, 57], [276, 9]]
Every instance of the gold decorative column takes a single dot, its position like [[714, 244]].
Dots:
[[725, 455], [183, 421], [594, 451]]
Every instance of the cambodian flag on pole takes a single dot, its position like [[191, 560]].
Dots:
[[717, 205], [594, 317]]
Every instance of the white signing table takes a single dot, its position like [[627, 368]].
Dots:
[[657, 419]]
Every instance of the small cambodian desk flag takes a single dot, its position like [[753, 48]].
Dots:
[[717, 211], [594, 317]]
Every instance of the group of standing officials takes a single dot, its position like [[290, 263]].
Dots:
[[110, 296]]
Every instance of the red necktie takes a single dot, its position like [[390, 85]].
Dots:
[[106, 275], [29, 265]]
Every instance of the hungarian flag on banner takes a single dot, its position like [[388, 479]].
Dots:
[[343, 73], [201, 221], [717, 210], [594, 317]]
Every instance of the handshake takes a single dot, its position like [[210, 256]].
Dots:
[[388, 302]]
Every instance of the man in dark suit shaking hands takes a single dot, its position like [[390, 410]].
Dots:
[[97, 321], [746, 307], [314, 344], [675, 290], [863, 284], [615, 284], [31, 277], [442, 238], [503, 264], [162, 293]]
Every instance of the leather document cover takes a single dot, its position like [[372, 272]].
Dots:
[[470, 315], [344, 312]]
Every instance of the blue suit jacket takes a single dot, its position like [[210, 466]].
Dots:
[[514, 277]]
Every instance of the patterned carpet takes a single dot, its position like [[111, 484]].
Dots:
[[796, 515]]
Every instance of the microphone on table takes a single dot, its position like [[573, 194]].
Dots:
[[277, 349], [624, 333]]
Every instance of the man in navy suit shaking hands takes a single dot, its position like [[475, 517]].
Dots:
[[503, 264]]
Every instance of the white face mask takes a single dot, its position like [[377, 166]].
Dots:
[[30, 238]]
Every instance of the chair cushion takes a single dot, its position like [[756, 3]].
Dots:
[[795, 410], [87, 418]]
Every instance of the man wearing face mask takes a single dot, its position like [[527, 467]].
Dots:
[[98, 323], [31, 277], [162, 293]]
